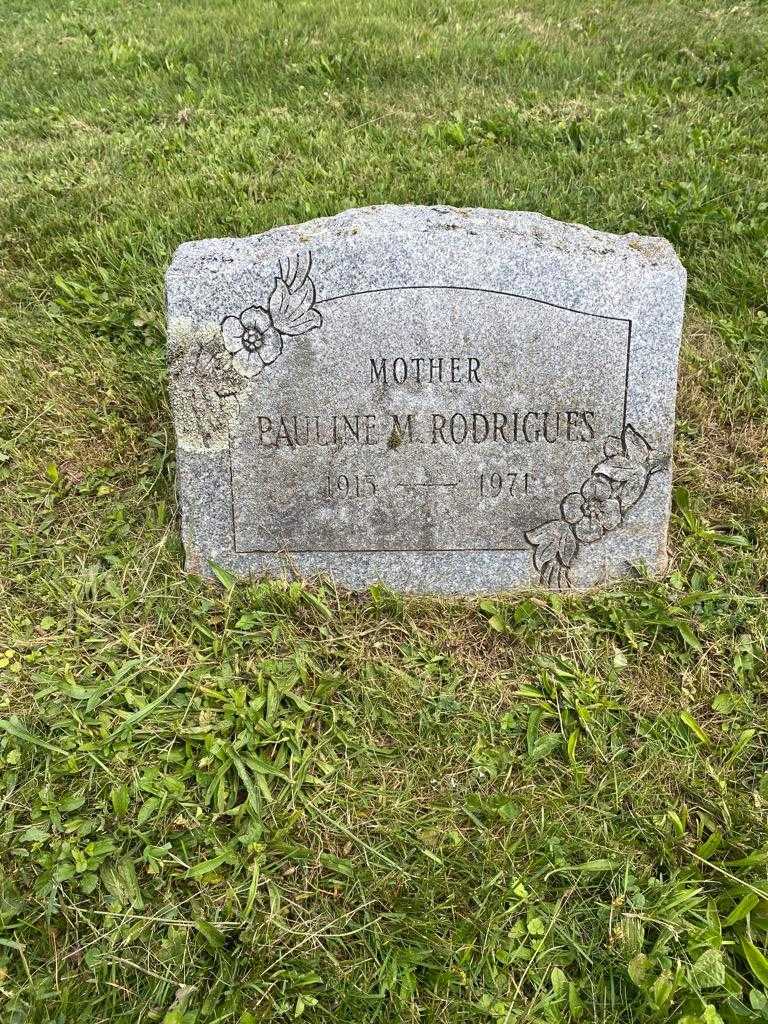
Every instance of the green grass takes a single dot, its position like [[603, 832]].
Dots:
[[283, 800]]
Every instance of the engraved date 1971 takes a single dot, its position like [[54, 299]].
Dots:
[[510, 484]]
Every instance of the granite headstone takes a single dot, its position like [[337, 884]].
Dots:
[[444, 400]]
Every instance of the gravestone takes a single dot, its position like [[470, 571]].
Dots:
[[444, 400]]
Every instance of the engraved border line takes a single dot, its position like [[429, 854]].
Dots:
[[469, 288], [370, 551], [423, 287]]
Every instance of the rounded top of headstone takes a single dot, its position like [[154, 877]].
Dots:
[[391, 220]]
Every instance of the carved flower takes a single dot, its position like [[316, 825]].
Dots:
[[592, 512], [252, 340]]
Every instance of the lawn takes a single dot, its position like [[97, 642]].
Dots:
[[274, 801]]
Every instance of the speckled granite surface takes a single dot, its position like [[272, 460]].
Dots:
[[448, 401]]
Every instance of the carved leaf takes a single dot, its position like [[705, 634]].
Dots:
[[546, 541], [630, 478], [546, 554], [555, 576], [291, 304], [618, 467], [568, 547], [631, 490], [635, 445], [542, 533], [658, 463], [555, 548], [549, 574]]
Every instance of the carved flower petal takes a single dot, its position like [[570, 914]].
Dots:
[[570, 508], [602, 488], [255, 316], [596, 488], [232, 332], [241, 362], [254, 365], [272, 346], [588, 532], [610, 513], [588, 489]]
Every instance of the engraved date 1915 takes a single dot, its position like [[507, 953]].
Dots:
[[349, 485]]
